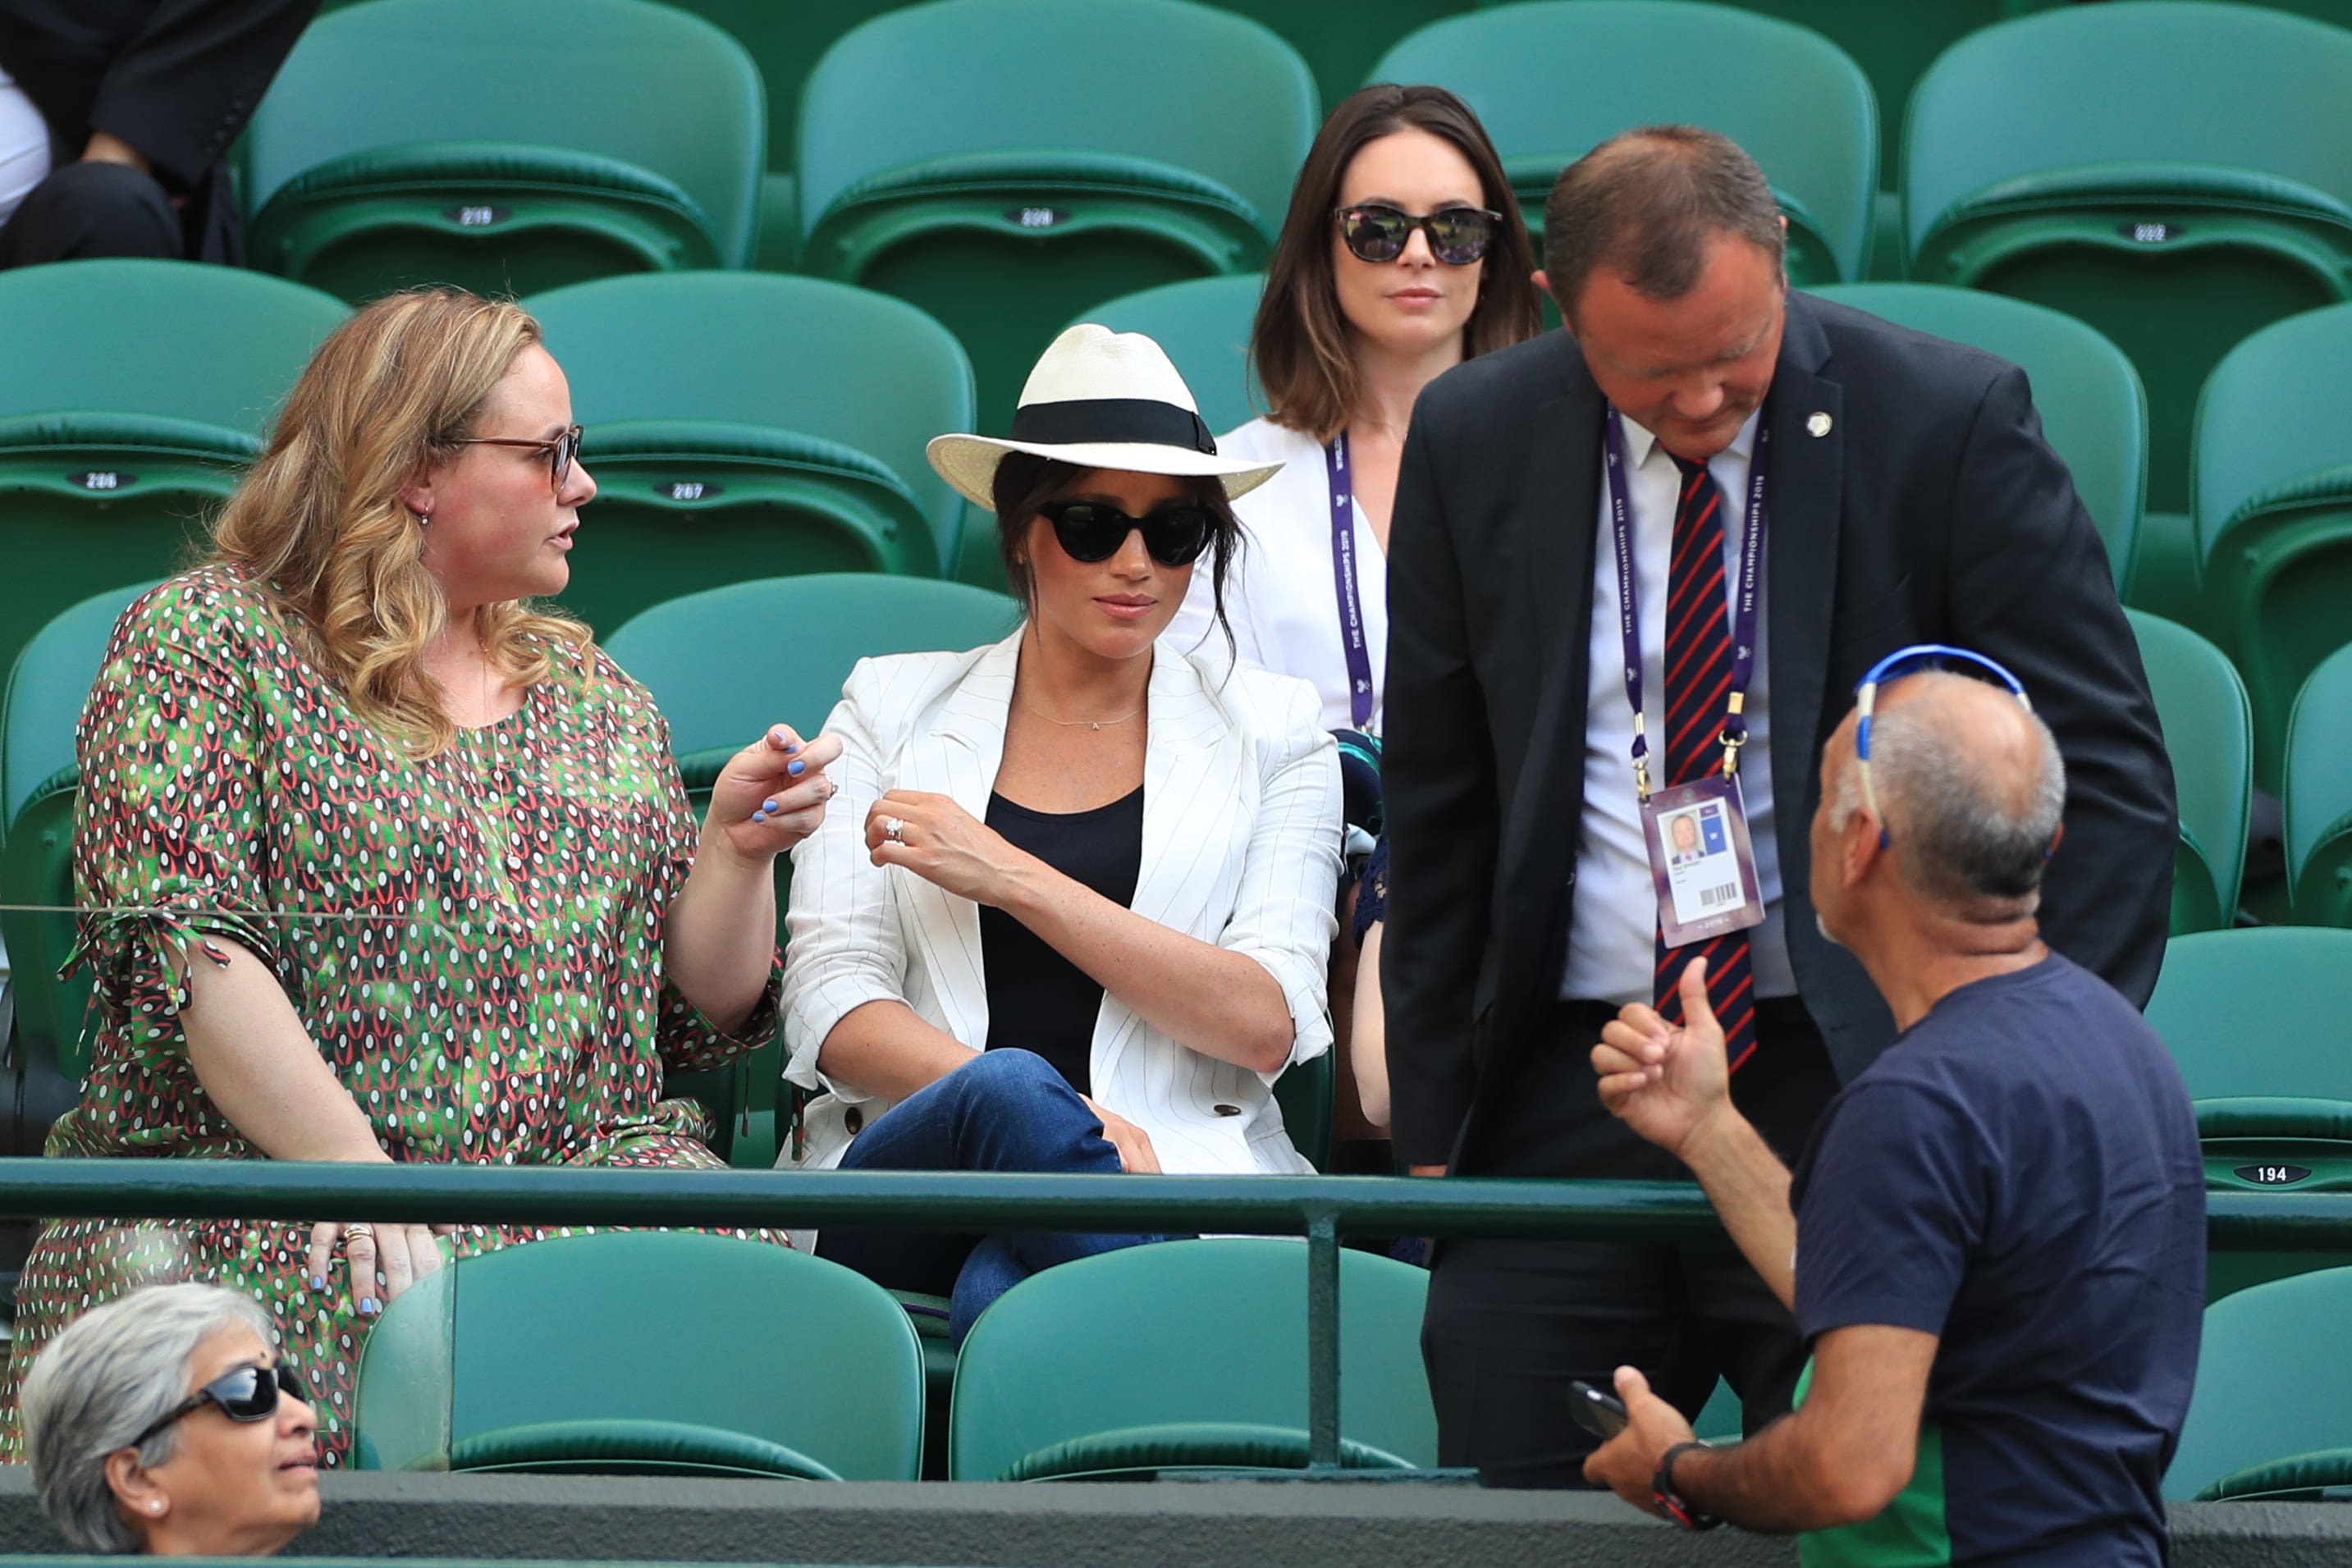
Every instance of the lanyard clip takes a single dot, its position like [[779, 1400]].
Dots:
[[1640, 759], [1735, 734]]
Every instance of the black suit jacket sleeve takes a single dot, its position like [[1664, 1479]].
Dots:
[[175, 78], [1438, 783], [2030, 587]]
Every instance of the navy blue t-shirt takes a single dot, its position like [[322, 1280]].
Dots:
[[2019, 1174]]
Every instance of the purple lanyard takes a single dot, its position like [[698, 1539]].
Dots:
[[1343, 574], [1744, 600]]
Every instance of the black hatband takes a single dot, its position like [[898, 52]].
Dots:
[[1141, 420]]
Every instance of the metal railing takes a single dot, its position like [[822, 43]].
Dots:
[[1320, 1209]]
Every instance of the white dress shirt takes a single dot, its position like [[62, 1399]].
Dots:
[[1613, 937], [1281, 598]]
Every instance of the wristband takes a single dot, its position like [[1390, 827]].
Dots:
[[1669, 1501]]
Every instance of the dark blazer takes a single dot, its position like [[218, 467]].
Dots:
[[175, 78], [1931, 510]]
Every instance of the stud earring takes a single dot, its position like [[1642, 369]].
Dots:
[[423, 519], [155, 1507]]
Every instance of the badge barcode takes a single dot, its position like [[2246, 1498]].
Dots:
[[1708, 898]]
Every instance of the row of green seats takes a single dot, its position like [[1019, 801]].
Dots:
[[459, 1373], [2173, 171], [722, 456]]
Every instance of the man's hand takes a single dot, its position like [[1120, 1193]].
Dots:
[[1627, 1464], [1663, 1081]]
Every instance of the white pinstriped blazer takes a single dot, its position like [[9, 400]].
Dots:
[[1241, 847]]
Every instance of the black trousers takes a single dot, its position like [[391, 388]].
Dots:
[[85, 210], [1511, 1323]]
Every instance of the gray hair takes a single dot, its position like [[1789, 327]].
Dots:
[[1645, 204], [115, 1371], [1966, 832]]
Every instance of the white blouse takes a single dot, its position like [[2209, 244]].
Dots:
[[1281, 596]]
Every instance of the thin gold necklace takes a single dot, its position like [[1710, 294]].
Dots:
[[1074, 722]]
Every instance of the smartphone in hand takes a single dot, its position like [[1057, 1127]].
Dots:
[[1601, 1414]]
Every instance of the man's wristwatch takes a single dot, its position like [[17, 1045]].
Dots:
[[1670, 1502]]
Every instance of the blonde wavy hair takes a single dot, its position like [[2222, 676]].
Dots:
[[318, 525]]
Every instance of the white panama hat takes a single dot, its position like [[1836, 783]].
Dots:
[[1099, 399]]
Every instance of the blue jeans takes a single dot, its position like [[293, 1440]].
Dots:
[[1004, 1111]]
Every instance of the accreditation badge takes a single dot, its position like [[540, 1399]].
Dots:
[[1702, 862]]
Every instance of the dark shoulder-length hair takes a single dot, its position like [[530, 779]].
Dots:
[[1299, 344]]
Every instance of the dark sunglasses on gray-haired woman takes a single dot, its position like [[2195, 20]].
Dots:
[[246, 1393]]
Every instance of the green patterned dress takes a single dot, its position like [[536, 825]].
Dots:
[[473, 940]]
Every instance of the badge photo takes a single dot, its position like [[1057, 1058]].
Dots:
[[1701, 859]]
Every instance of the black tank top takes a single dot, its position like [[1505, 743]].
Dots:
[[1037, 999]]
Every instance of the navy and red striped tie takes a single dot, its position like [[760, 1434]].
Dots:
[[1698, 680]]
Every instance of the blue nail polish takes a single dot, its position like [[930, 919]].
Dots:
[[317, 1281], [367, 1308], [767, 805], [790, 747], [759, 816], [796, 767]]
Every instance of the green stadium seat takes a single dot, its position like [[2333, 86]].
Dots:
[[1307, 1096], [133, 394], [507, 148], [2209, 732], [2176, 173], [933, 164], [1894, 44], [2271, 1416], [2274, 509], [1204, 325], [785, 42], [2255, 1020], [2092, 407], [36, 877], [1110, 1367], [741, 424], [820, 1378], [2318, 774], [47, 687], [1553, 79], [690, 651]]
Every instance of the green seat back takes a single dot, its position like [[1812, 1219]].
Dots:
[[2253, 1018], [1180, 1333], [2173, 171], [1307, 1094], [507, 148], [2318, 773], [1553, 79], [689, 652], [2269, 1384], [1894, 44], [677, 1327], [942, 160], [1342, 43], [2273, 511], [741, 424], [2208, 733], [132, 394], [1204, 325], [47, 687], [2092, 406], [36, 882]]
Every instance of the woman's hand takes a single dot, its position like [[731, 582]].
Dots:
[[384, 1259], [939, 842], [1133, 1143], [771, 795]]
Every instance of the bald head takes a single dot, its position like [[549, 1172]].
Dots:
[[1971, 789]]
